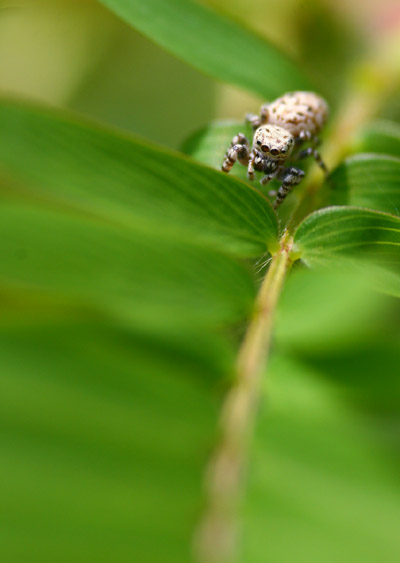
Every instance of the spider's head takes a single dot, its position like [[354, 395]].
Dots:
[[273, 142]]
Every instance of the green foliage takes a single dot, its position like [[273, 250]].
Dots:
[[128, 276], [138, 185], [213, 44], [348, 231], [105, 309], [356, 239]]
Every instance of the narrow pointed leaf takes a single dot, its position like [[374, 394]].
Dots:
[[367, 180], [213, 43]]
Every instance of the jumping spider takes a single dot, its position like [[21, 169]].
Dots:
[[279, 132]]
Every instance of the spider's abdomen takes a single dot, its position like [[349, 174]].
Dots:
[[298, 111]]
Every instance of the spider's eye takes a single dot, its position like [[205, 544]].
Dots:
[[258, 142], [274, 152], [265, 148]]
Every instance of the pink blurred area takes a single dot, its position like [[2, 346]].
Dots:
[[374, 16]]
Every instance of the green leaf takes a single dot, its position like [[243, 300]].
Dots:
[[353, 239], [367, 180], [380, 137], [213, 44], [99, 455], [319, 472], [329, 233], [47, 154], [112, 340], [139, 278], [105, 437]]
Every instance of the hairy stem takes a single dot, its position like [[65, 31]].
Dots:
[[216, 537]]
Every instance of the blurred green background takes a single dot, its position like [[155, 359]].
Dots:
[[107, 428]]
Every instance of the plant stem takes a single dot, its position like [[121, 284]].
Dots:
[[215, 540]]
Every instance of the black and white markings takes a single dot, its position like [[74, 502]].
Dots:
[[282, 127]]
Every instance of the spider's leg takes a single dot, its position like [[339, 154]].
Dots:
[[239, 150], [311, 151], [277, 173], [290, 178], [266, 179]]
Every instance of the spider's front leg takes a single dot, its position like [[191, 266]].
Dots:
[[250, 168], [290, 177], [239, 150]]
